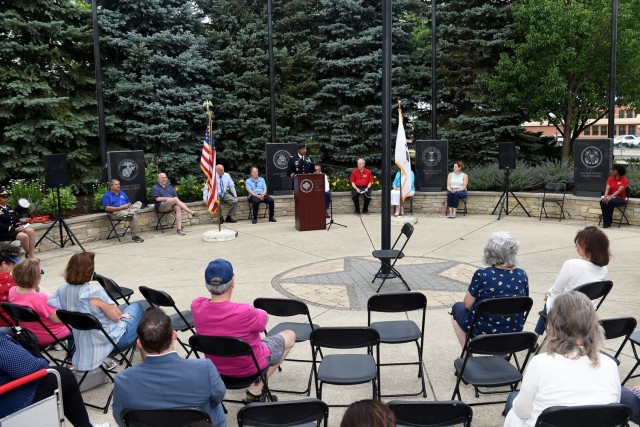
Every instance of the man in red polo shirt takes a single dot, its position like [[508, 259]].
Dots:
[[361, 181]]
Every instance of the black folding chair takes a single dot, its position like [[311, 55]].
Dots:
[[114, 222], [160, 225], [180, 320], [431, 414], [346, 369], [613, 415], [554, 193], [115, 291], [400, 331], [622, 209], [88, 322], [620, 327], [305, 412], [634, 339], [286, 308], [232, 347], [265, 207], [174, 417], [389, 257], [22, 314]]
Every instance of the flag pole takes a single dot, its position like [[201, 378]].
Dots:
[[400, 118]]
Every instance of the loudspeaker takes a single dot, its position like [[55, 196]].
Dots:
[[56, 173], [507, 155]]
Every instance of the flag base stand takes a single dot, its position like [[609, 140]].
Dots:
[[219, 235]]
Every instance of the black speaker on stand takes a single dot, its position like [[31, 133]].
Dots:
[[56, 176], [507, 162]]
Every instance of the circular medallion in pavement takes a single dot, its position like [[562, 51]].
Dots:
[[345, 283]]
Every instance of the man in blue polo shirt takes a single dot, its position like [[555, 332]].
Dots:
[[257, 189], [117, 204]]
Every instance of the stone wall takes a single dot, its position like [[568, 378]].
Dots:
[[93, 227]]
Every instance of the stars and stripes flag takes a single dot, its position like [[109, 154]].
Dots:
[[208, 166], [402, 159]]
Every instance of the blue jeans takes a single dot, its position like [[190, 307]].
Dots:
[[509, 403], [454, 198], [130, 333], [607, 210], [542, 322]]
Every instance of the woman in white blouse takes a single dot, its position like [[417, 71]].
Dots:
[[570, 370], [456, 188]]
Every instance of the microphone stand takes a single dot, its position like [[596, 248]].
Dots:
[[331, 221]]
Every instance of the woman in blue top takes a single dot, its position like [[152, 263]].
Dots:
[[500, 280], [395, 192]]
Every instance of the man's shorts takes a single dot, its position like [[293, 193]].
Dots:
[[275, 344], [165, 206]]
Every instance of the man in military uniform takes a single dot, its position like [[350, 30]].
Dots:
[[300, 163]]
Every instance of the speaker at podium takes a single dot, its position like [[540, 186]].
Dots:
[[308, 195]]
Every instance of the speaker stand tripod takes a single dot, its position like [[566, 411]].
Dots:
[[504, 200], [331, 221], [61, 224]]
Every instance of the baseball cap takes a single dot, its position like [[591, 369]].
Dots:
[[7, 257], [218, 272]]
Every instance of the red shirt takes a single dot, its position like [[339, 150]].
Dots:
[[6, 283], [361, 178], [615, 184]]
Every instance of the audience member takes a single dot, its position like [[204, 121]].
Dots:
[[8, 260], [570, 370], [78, 294], [368, 413], [226, 193], [219, 316], [27, 276], [395, 192], [117, 204], [327, 190], [631, 398], [615, 193], [456, 188], [592, 246], [11, 228], [193, 383], [361, 181], [301, 163], [257, 189], [16, 362], [500, 280], [165, 199]]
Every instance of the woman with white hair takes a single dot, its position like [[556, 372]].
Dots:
[[500, 279]]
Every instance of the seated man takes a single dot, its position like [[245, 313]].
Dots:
[[117, 204], [166, 199], [218, 316], [226, 193], [165, 380], [361, 182], [257, 189]]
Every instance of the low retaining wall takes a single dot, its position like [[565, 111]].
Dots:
[[93, 227]]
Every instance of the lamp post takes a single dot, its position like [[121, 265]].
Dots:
[[102, 135], [272, 82], [612, 70], [434, 79]]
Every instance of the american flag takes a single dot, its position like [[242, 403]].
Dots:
[[208, 166]]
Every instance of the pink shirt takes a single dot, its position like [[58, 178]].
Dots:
[[38, 302], [230, 319]]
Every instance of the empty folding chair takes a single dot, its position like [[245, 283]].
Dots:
[[620, 327], [281, 307], [174, 417], [634, 339], [431, 414], [400, 331], [346, 369], [303, 413], [613, 415], [554, 193], [389, 257]]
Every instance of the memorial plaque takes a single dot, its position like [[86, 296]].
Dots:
[[593, 159], [278, 183], [432, 159], [128, 168]]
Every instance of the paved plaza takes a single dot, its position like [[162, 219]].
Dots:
[[332, 271]]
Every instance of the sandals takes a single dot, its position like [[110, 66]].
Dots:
[[250, 397]]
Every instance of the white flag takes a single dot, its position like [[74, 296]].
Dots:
[[402, 159]]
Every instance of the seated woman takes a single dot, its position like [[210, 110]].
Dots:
[[370, 413], [395, 192], [27, 276], [500, 280], [92, 347], [456, 188], [11, 228], [8, 260], [570, 370], [592, 246], [614, 194]]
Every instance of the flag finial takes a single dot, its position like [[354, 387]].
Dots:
[[206, 105]]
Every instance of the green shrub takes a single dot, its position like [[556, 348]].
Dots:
[[67, 202], [633, 175], [556, 172], [33, 191], [98, 192], [189, 189], [485, 178]]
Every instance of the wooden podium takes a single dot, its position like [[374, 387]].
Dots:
[[308, 194]]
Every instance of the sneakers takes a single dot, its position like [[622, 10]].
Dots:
[[230, 220], [272, 219], [109, 364], [137, 239], [180, 232]]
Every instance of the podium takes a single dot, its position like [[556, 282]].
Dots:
[[308, 195]]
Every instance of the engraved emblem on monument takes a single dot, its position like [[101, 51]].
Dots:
[[128, 169], [281, 159], [431, 156], [591, 157]]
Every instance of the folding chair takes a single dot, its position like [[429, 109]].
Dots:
[[180, 321], [635, 343], [346, 369], [400, 331], [554, 193], [464, 208], [115, 291], [431, 414], [386, 255], [162, 226], [623, 212], [264, 210], [114, 222], [286, 308], [21, 314], [618, 328], [613, 415], [88, 322], [48, 412], [305, 412], [174, 417], [232, 347]]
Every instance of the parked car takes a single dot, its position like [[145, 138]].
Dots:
[[626, 141]]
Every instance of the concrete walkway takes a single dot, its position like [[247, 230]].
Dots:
[[332, 272]]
